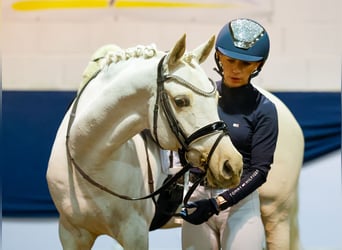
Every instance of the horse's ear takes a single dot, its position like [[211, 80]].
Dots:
[[176, 53], [202, 52]]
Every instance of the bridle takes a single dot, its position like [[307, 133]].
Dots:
[[178, 131], [185, 141], [175, 126]]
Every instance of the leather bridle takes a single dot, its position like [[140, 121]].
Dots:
[[178, 131], [185, 141]]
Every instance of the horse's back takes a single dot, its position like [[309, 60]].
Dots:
[[279, 195], [288, 156]]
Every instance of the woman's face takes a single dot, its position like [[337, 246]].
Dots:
[[236, 73]]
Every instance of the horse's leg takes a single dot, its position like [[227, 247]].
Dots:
[[294, 227], [277, 233], [134, 233], [73, 238], [281, 225]]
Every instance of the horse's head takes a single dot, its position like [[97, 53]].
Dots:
[[186, 105]]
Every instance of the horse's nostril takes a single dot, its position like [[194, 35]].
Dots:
[[227, 169]]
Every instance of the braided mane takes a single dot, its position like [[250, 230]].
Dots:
[[117, 55], [108, 54]]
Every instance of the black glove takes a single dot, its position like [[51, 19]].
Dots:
[[204, 210]]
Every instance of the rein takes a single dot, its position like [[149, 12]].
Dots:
[[185, 141], [100, 186]]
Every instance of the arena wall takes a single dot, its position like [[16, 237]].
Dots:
[[48, 48], [45, 50]]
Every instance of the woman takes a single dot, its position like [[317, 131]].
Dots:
[[230, 218]]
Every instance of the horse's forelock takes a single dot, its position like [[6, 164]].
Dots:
[[188, 57]]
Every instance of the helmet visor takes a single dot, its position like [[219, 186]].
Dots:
[[240, 56]]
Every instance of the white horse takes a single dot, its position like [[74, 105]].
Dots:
[[279, 195], [97, 174]]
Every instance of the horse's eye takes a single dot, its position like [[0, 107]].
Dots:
[[182, 101]]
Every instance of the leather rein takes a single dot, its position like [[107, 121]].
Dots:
[[163, 100]]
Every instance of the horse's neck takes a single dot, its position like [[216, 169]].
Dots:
[[111, 111]]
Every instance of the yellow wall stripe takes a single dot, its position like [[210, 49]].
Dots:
[[55, 4], [67, 4], [153, 4]]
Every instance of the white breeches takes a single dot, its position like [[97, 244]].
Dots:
[[236, 228]]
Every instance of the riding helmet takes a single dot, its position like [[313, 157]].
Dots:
[[243, 39]]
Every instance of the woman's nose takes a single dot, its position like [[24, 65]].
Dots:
[[236, 68]]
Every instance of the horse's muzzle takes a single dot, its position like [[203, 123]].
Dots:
[[228, 178]]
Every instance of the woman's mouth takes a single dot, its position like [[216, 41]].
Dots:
[[235, 79]]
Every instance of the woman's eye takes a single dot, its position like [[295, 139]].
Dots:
[[182, 101]]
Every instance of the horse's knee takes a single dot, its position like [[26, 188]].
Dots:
[[73, 238], [133, 237]]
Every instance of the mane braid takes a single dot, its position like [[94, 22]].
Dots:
[[111, 53], [138, 51]]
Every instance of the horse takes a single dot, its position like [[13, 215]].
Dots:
[[279, 194], [97, 171]]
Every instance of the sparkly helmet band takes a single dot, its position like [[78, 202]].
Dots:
[[245, 33]]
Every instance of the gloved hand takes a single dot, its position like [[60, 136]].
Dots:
[[204, 210]]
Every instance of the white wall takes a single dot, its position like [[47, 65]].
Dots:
[[320, 217], [320, 211], [48, 49]]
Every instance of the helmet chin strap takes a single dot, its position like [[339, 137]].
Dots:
[[254, 73], [257, 71], [219, 68], [218, 72]]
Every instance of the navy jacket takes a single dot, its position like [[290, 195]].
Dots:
[[253, 128]]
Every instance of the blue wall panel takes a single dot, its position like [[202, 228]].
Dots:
[[31, 119]]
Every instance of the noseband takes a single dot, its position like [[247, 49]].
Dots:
[[175, 126]]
